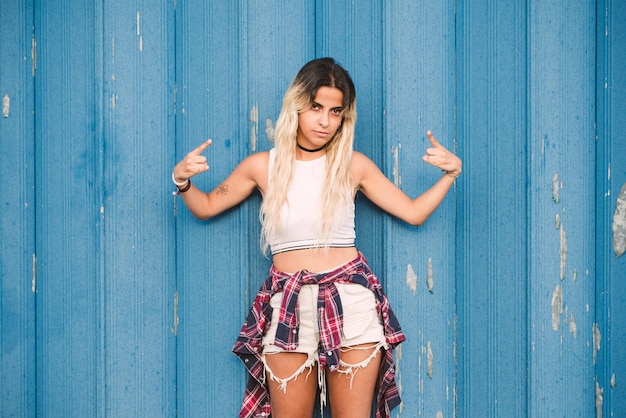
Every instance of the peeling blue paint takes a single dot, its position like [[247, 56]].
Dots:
[[619, 223]]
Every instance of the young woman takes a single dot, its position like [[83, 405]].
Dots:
[[321, 319]]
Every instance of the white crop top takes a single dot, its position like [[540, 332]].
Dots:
[[299, 217]]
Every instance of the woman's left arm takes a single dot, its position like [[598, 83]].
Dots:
[[386, 195]]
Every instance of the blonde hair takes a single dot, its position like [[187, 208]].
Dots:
[[338, 187]]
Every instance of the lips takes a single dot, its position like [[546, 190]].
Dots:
[[320, 133]]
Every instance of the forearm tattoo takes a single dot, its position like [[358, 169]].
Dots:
[[222, 189]]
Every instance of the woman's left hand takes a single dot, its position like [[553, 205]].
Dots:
[[441, 158]]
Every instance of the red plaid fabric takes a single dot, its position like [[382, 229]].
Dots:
[[330, 316]]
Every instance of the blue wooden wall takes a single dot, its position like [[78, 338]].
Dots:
[[115, 302]]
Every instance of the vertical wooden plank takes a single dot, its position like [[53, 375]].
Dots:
[[235, 62], [138, 250], [17, 200], [210, 97], [609, 342], [276, 42], [353, 35], [67, 212], [209, 254], [561, 202], [418, 94], [492, 281]]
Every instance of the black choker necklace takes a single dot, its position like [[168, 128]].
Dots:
[[310, 150]]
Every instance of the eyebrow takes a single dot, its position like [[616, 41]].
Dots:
[[314, 103]]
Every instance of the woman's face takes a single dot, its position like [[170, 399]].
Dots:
[[318, 124]]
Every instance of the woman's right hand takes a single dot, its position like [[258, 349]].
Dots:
[[193, 163]]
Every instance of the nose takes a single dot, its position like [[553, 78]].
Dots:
[[324, 119]]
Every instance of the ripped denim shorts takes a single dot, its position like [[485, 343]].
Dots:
[[361, 325]]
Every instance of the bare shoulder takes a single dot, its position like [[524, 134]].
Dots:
[[358, 157], [255, 166], [360, 161], [258, 158], [360, 166]]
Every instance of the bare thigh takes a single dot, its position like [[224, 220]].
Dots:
[[297, 398], [351, 393]]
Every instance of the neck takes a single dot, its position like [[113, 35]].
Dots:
[[310, 150]]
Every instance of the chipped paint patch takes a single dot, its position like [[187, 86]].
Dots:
[[573, 329], [613, 382], [33, 283], [430, 358], [113, 51], [33, 54], [599, 399], [397, 180], [596, 341], [398, 355], [439, 414], [619, 223], [557, 221], [6, 105], [411, 278], [254, 131], [270, 131], [556, 186], [563, 251], [174, 329], [557, 307], [429, 277], [139, 31]]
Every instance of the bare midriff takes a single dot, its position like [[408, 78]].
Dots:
[[315, 260]]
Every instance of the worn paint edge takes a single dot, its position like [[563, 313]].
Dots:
[[398, 356], [430, 359], [619, 223], [174, 329], [573, 328], [270, 130], [254, 121], [6, 105], [557, 307], [599, 399], [556, 186], [33, 283], [33, 53], [411, 279], [562, 251], [596, 341], [429, 276], [397, 179]]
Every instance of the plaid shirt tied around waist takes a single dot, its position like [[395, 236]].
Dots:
[[248, 346]]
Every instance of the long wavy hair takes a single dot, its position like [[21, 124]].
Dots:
[[338, 188]]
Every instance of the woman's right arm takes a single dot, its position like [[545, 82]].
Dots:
[[250, 174]]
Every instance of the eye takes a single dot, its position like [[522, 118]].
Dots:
[[315, 106], [337, 111]]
